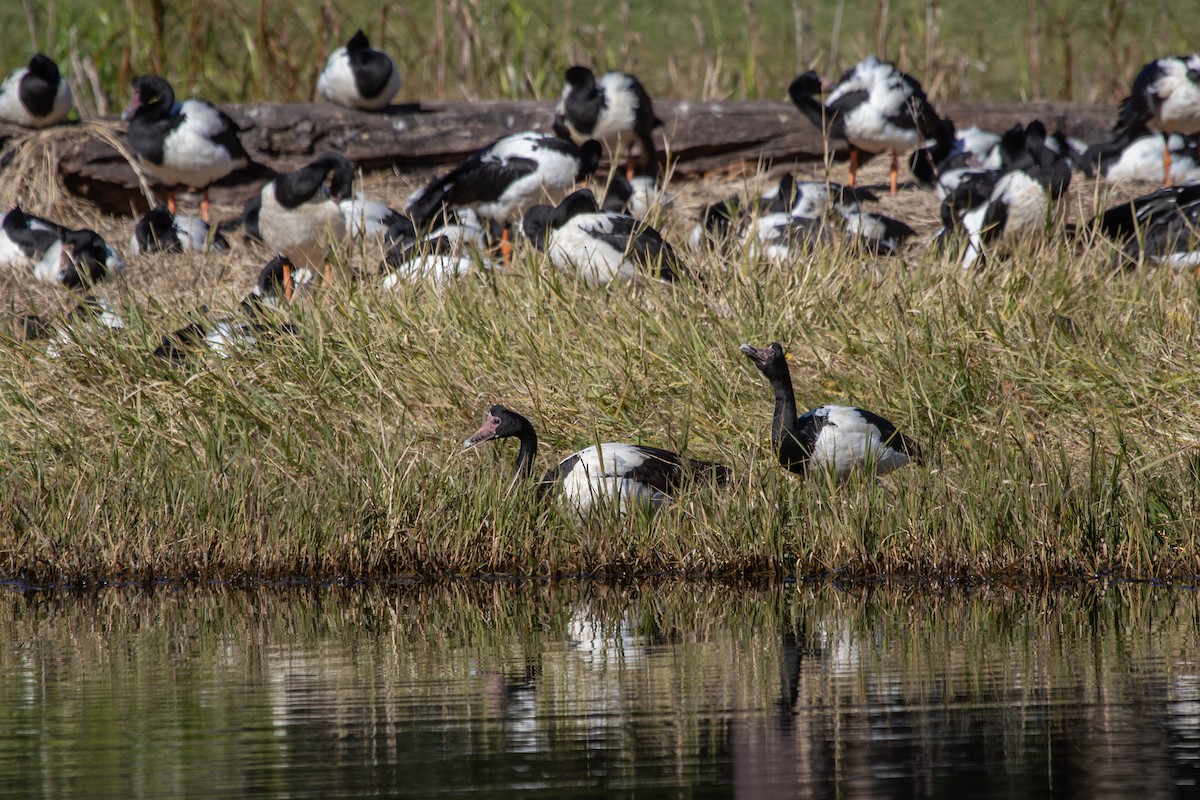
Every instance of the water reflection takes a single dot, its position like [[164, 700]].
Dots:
[[576, 689]]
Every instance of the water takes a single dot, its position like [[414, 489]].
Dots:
[[581, 690]]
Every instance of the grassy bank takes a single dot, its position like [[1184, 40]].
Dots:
[[1059, 404], [223, 51]]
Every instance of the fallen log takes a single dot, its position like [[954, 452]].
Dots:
[[422, 138]]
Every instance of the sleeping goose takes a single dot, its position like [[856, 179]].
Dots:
[[36, 95], [599, 246], [189, 144], [51, 253], [839, 440], [359, 76], [160, 231], [507, 177], [875, 107], [609, 110], [633, 477]]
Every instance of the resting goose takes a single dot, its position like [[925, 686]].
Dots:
[[90, 315], [358, 76], [609, 110], [837, 439], [1162, 227], [160, 231], [1136, 154], [501, 181], [451, 250], [1166, 98], [631, 477], [875, 107], [600, 247], [369, 218], [36, 95], [300, 216], [53, 254], [189, 144]]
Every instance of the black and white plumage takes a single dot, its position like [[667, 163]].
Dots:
[[359, 76], [507, 177], [951, 149], [52, 253], [453, 249], [1008, 205], [160, 231], [635, 196], [875, 107], [1161, 228], [612, 110], [612, 475], [600, 247], [839, 440], [36, 95], [368, 218], [90, 316], [301, 215], [242, 331], [1165, 97], [1136, 153], [189, 144]]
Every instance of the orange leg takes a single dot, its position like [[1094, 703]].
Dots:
[[853, 165], [171, 201], [289, 286], [1166, 160], [629, 172], [204, 206], [895, 169], [506, 249], [328, 272]]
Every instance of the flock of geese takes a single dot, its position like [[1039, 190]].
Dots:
[[996, 189]]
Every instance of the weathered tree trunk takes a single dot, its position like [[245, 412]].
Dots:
[[699, 137]]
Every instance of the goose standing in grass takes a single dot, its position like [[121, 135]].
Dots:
[[631, 477], [36, 95], [875, 107], [359, 76], [501, 181], [1166, 98], [599, 246], [610, 110], [837, 439], [160, 231], [189, 144], [51, 253], [300, 216]]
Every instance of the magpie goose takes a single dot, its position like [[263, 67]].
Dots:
[[451, 250], [113, 261], [628, 476], [952, 149], [90, 315], [836, 439], [1014, 203], [874, 106], [600, 247], [1166, 98], [609, 110], [36, 95], [369, 218], [241, 331], [189, 144], [359, 76], [507, 177], [53, 254], [1135, 153], [1162, 227], [160, 231], [634, 196], [300, 215], [840, 207]]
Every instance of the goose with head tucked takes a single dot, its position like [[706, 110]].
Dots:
[[613, 475], [501, 181], [160, 231], [189, 144], [359, 76], [51, 253], [36, 95], [301, 216], [1165, 97], [839, 440]]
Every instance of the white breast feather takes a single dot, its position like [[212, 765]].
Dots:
[[601, 477], [190, 157], [848, 442], [302, 234], [574, 249], [336, 83]]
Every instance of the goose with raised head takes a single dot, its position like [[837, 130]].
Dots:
[[1165, 97], [840, 440], [628, 477]]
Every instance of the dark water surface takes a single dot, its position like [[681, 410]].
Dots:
[[581, 690]]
